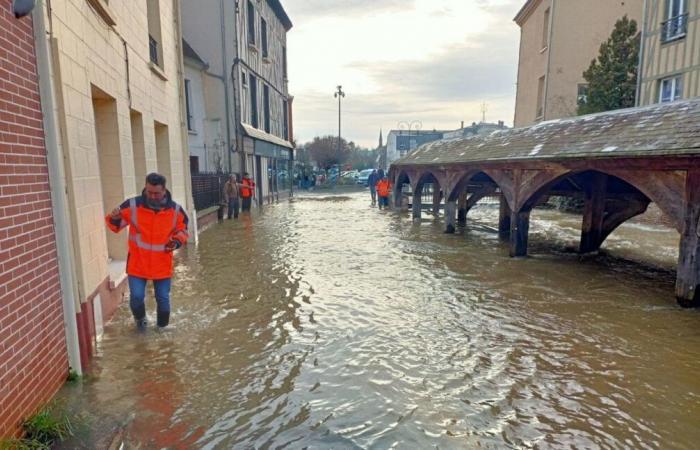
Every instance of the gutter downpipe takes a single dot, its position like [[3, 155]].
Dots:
[[183, 120], [549, 60], [237, 115], [224, 77], [640, 64], [64, 241]]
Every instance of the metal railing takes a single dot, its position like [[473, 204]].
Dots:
[[207, 190], [674, 28], [153, 49]]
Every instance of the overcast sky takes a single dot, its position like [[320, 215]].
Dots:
[[433, 61]]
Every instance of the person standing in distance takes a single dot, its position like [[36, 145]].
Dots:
[[232, 194], [372, 183], [157, 227], [384, 191], [246, 191]]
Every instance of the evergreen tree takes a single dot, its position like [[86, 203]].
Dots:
[[612, 78]]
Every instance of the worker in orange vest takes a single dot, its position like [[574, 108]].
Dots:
[[157, 227], [246, 191], [383, 191]]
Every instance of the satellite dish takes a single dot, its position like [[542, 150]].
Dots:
[[22, 7]]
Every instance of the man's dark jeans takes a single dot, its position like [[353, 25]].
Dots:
[[233, 208], [246, 204]]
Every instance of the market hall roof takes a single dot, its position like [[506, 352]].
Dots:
[[669, 129]]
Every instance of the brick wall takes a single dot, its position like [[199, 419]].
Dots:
[[33, 358]]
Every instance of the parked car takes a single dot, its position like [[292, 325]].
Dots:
[[351, 174], [363, 176]]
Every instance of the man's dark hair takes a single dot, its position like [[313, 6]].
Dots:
[[155, 179], [245, 174]]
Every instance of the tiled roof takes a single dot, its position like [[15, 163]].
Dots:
[[658, 130]]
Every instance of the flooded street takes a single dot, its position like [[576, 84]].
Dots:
[[325, 323]]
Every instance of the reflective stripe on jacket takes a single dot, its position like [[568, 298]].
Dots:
[[383, 188], [149, 232], [247, 191]]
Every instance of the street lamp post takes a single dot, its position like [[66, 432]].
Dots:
[[410, 125], [338, 94]]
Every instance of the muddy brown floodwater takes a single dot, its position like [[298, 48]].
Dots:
[[324, 323]]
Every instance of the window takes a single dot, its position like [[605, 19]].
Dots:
[[263, 37], [155, 46], [670, 89], [582, 95], [284, 62], [251, 23], [285, 119], [539, 114], [266, 107], [545, 29], [244, 79], [188, 104], [253, 101], [676, 23]]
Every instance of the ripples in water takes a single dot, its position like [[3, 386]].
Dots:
[[324, 323]]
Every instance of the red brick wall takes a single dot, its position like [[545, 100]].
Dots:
[[33, 358]]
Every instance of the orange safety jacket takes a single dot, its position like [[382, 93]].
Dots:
[[383, 188], [149, 232], [247, 191]]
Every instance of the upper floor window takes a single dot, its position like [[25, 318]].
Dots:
[[539, 113], [676, 24], [253, 101], [545, 29], [188, 104], [155, 43], [263, 37], [251, 23], [582, 95], [284, 62], [670, 89]]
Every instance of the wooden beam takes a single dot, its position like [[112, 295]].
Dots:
[[416, 205], [688, 273], [450, 208], [519, 227], [462, 209], [593, 214], [504, 219], [436, 199]]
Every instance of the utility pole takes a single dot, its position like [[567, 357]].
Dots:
[[338, 94]]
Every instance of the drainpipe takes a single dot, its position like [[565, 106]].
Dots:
[[57, 184], [237, 115], [549, 60], [183, 119], [224, 77], [640, 64]]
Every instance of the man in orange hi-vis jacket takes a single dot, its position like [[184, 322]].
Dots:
[[383, 191], [157, 227], [247, 191]]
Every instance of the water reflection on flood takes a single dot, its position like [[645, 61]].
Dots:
[[325, 323]]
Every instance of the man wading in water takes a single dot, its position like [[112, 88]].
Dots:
[[157, 226]]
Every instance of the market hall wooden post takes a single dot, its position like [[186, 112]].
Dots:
[[462, 209], [688, 273], [593, 214], [503, 218], [450, 209]]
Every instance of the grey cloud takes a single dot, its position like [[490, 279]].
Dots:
[[458, 74], [343, 8]]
